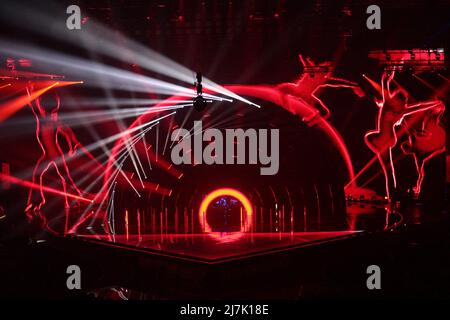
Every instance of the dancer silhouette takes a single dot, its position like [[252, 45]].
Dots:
[[306, 88], [426, 139], [392, 108], [48, 131]]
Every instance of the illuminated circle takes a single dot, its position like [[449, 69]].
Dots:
[[220, 193]]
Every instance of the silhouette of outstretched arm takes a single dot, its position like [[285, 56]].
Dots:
[[422, 106], [356, 89], [30, 104]]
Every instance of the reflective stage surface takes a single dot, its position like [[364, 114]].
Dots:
[[216, 247]]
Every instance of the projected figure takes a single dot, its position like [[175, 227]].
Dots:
[[48, 130], [393, 107], [314, 78], [426, 139]]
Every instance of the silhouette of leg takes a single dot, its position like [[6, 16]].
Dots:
[[63, 182], [385, 159], [33, 180], [41, 186], [66, 169], [420, 164]]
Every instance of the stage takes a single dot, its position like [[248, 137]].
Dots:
[[254, 149], [209, 248]]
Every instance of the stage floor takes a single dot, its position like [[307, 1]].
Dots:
[[214, 247]]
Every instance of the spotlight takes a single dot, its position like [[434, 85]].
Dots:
[[199, 102]]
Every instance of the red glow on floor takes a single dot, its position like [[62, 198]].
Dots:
[[208, 249]]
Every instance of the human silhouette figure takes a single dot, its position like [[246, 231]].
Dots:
[[49, 129], [308, 85], [392, 109], [426, 139]]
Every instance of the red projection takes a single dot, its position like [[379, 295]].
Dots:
[[426, 139], [48, 129], [28, 184], [11, 107], [307, 87], [393, 108], [267, 93]]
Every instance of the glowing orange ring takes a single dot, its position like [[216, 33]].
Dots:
[[225, 192]]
